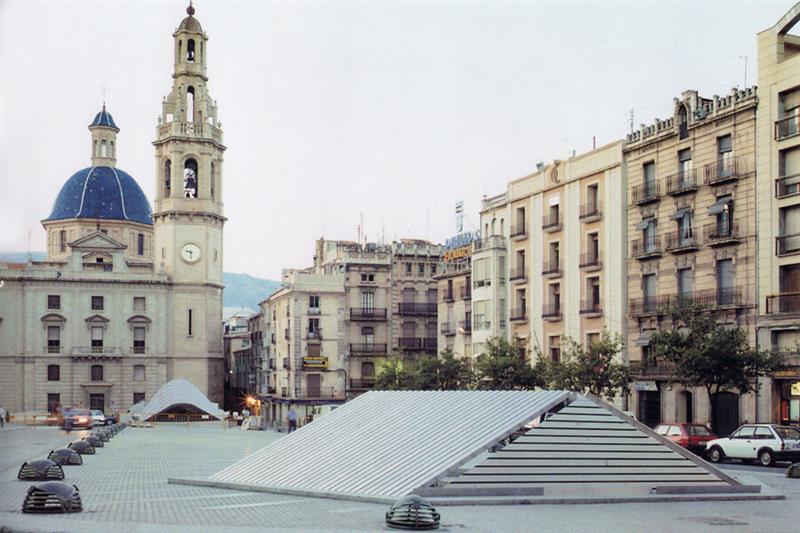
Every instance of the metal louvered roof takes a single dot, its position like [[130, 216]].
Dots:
[[179, 392], [386, 444], [588, 445]]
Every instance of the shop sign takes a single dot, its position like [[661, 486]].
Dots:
[[460, 246], [649, 386], [458, 253], [795, 390]]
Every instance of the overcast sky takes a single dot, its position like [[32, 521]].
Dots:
[[330, 110]]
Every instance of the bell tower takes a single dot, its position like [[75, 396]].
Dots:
[[187, 218]]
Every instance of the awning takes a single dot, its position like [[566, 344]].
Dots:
[[645, 386], [644, 223], [644, 338], [680, 212], [719, 206]]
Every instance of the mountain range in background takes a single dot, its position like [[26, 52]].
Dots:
[[243, 292]]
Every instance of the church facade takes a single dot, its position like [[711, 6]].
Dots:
[[128, 297]]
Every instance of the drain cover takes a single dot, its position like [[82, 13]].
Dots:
[[52, 497], [412, 512], [41, 470]]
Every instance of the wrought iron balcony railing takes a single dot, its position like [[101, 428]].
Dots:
[[784, 302], [787, 186], [787, 127], [647, 247], [417, 308], [591, 307], [681, 241], [591, 210], [368, 348], [646, 193], [368, 314], [517, 314], [551, 311], [722, 171], [590, 260], [787, 244], [518, 230], [682, 182]]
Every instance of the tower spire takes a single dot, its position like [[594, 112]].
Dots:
[[190, 9]]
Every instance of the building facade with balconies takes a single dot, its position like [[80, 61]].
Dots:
[[490, 286], [691, 232], [455, 305], [778, 216]]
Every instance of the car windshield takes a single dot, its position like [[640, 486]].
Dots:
[[787, 432], [699, 431], [97, 413]]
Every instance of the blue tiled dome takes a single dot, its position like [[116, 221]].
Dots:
[[104, 118], [102, 192]]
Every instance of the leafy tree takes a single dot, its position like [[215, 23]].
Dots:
[[590, 369], [504, 366], [444, 373], [395, 376], [711, 356]]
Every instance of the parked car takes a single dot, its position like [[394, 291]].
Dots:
[[111, 419], [98, 418], [693, 437], [77, 418], [765, 443]]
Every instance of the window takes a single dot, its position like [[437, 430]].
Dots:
[[649, 173], [433, 269], [313, 301], [685, 284], [421, 269], [62, 241], [139, 303], [674, 431], [189, 323], [314, 350], [725, 289], [593, 292], [368, 300], [53, 373], [682, 123], [97, 372], [745, 433], [367, 369], [367, 278], [789, 230], [763, 433], [213, 179], [409, 295], [449, 293], [649, 290], [139, 340], [190, 178], [555, 348], [138, 373], [432, 296], [555, 298], [592, 248], [685, 233], [167, 177], [788, 172], [553, 215], [53, 339], [684, 166], [555, 256], [313, 325], [592, 338], [140, 244], [649, 236], [138, 397], [408, 268], [53, 402], [97, 303], [53, 301], [724, 156], [97, 339], [190, 50], [592, 198]]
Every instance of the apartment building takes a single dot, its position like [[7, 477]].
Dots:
[[305, 325], [239, 376], [414, 318], [455, 298], [489, 274], [690, 222], [778, 214], [565, 232]]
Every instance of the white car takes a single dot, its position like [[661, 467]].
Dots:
[[98, 418], [765, 443]]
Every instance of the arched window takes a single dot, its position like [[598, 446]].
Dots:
[[190, 50], [493, 221], [103, 148], [213, 178], [167, 177], [368, 334], [367, 369], [502, 226], [180, 50], [190, 179], [190, 104], [683, 122]]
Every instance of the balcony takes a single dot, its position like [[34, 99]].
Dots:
[[646, 193], [551, 311], [430, 343], [517, 314], [52, 349], [681, 241], [590, 261], [139, 350], [368, 349], [724, 171], [591, 307], [517, 275], [518, 231], [716, 234], [650, 305], [368, 314], [784, 302], [328, 393], [682, 183], [787, 186], [590, 212], [465, 326], [287, 363], [286, 334], [315, 362], [362, 384], [466, 293], [417, 308], [409, 343], [551, 269], [314, 335], [488, 243], [447, 329], [716, 298], [652, 369], [787, 127], [88, 351], [551, 223], [787, 244], [647, 248]]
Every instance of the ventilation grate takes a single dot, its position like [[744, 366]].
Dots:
[[82, 447], [412, 512], [52, 497], [42, 470], [65, 456]]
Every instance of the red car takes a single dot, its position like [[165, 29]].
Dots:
[[693, 437], [77, 418]]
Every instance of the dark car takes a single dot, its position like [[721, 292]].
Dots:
[[693, 437], [77, 418], [111, 419]]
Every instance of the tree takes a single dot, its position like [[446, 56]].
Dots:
[[709, 355], [504, 366], [395, 376], [444, 373], [591, 369]]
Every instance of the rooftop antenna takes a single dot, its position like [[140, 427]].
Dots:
[[745, 71], [631, 119]]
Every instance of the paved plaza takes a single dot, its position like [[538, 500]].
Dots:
[[124, 488]]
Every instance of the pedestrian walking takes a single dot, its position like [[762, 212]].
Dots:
[[2, 417], [292, 417]]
